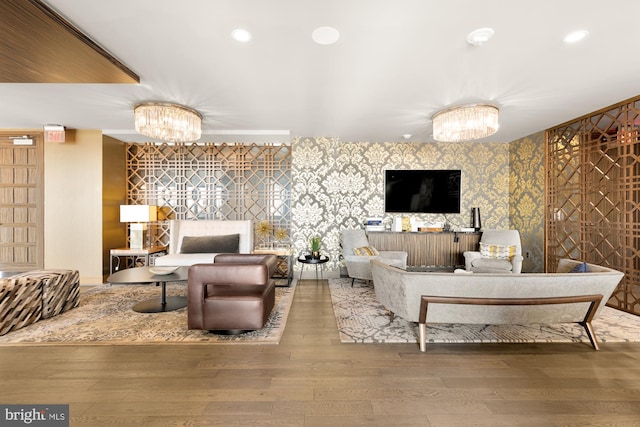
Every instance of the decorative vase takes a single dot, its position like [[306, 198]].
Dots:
[[475, 219], [315, 254]]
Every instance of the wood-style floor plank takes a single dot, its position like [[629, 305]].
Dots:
[[311, 379]]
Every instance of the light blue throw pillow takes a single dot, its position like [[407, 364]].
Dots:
[[580, 268]]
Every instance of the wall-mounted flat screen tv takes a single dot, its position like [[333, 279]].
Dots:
[[422, 191]]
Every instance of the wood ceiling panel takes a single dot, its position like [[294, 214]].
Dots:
[[39, 46]]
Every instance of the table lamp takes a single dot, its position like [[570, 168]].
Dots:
[[137, 216]]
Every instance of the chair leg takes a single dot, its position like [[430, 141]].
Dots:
[[353, 279]]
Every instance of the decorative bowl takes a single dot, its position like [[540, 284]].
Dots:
[[162, 271]]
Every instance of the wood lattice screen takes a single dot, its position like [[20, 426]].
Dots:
[[211, 181], [593, 202]]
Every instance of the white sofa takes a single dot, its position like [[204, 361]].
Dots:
[[178, 229], [401, 293]]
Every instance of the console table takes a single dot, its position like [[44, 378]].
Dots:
[[427, 248]]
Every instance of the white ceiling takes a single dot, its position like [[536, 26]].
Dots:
[[397, 62]]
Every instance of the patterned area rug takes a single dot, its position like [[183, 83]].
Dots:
[[105, 316], [362, 319]]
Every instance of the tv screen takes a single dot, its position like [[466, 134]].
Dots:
[[422, 191]]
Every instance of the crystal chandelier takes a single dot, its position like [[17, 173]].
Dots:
[[465, 123], [168, 122]]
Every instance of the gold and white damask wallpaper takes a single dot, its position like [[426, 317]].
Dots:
[[338, 184], [526, 207]]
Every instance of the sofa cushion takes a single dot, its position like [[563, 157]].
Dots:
[[495, 264], [173, 260], [497, 251], [229, 243], [366, 251]]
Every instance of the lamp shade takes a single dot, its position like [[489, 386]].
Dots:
[[138, 213]]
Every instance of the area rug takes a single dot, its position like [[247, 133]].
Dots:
[[105, 316], [362, 319]]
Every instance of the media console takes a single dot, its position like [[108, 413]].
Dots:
[[442, 249]]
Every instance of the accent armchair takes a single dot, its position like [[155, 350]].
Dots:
[[358, 254], [232, 295], [500, 252]]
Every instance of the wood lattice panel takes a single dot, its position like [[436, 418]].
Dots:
[[593, 202], [211, 181]]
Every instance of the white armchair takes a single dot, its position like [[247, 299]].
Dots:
[[500, 252], [359, 266]]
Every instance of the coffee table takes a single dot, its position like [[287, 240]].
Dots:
[[143, 275]]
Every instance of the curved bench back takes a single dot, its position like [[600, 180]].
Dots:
[[401, 291]]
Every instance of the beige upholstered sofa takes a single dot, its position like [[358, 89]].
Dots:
[[212, 230], [401, 293], [28, 297]]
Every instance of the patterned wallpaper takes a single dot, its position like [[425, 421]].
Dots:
[[336, 185], [339, 184], [527, 192]]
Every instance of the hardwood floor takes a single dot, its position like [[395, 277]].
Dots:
[[311, 379]]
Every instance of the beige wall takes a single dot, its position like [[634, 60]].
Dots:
[[73, 204], [114, 194]]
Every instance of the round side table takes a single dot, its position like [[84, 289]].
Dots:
[[313, 261]]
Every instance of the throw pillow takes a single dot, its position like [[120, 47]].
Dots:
[[497, 251], [366, 251], [229, 244], [580, 268]]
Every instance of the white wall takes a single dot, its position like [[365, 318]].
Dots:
[[73, 204]]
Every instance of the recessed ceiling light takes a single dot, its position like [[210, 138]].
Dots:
[[575, 36], [325, 35], [241, 35], [480, 36]]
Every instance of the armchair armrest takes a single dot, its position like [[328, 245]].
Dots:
[[469, 257], [360, 258], [395, 258], [517, 264], [271, 261]]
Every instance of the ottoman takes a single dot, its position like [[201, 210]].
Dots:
[[60, 289], [28, 297], [20, 303]]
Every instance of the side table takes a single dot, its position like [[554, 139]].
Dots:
[[312, 261], [284, 269], [134, 254]]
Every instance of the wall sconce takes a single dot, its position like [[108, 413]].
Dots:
[[137, 216]]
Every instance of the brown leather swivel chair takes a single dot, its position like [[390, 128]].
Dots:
[[233, 295]]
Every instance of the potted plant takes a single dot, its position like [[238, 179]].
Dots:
[[316, 242]]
